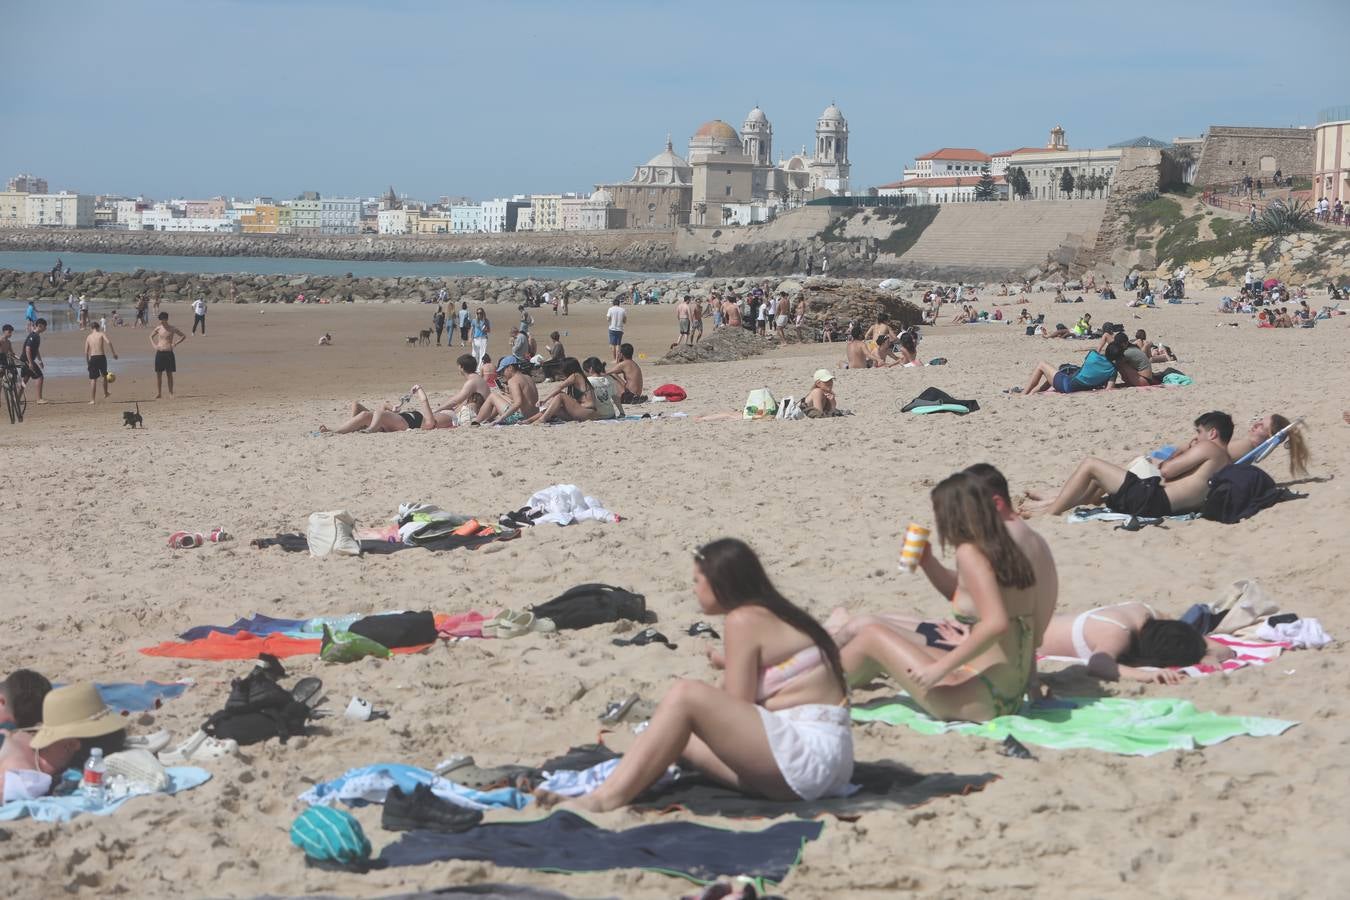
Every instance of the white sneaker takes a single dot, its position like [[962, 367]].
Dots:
[[198, 748]]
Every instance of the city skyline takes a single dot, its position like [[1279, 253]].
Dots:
[[345, 98]]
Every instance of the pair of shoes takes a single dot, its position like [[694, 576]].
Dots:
[[422, 810], [198, 748], [509, 624], [643, 638]]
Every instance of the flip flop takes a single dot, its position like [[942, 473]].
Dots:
[[185, 540], [699, 628], [643, 638], [482, 778], [306, 691], [150, 742]]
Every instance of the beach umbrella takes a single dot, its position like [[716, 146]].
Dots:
[[1270, 283]]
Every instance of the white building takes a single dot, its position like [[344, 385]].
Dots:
[[1045, 167], [396, 221], [525, 218], [954, 189], [164, 217], [63, 210], [466, 218], [339, 215]]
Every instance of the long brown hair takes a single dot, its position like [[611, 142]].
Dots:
[[1298, 448], [737, 578], [964, 515]]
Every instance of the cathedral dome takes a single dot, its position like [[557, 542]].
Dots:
[[717, 130], [602, 196], [667, 159], [756, 115], [832, 114]]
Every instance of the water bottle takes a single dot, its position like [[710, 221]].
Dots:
[[91, 785]]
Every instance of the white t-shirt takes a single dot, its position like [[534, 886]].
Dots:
[[603, 389], [199, 307], [617, 317]]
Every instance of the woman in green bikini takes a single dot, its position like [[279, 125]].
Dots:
[[993, 588]]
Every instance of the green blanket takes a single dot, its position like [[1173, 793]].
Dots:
[[1113, 724]]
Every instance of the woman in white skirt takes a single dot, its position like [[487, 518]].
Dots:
[[779, 725]]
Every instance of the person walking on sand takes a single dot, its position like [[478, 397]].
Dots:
[[31, 361], [696, 314], [682, 314], [438, 323], [84, 311], [198, 317], [616, 317], [96, 349], [164, 338], [482, 329], [462, 320]]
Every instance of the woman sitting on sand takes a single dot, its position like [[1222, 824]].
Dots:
[[1097, 371], [993, 588], [778, 726], [909, 349], [574, 401]]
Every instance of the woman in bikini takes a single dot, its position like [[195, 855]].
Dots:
[[993, 589], [777, 727], [1262, 428], [574, 401], [385, 418]]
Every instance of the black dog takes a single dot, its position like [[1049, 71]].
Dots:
[[132, 419]]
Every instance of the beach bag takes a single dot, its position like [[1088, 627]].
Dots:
[[257, 709], [393, 630], [592, 604], [331, 838], [1238, 492], [791, 409], [760, 404], [672, 393], [331, 533]]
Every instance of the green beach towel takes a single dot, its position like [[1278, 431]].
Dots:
[[1112, 724]]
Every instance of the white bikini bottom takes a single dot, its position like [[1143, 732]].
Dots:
[[813, 747]]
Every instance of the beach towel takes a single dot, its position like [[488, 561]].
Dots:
[[1245, 653], [124, 698], [565, 842], [257, 623], [370, 784], [243, 645], [563, 504], [63, 809], [932, 400], [1102, 514], [1138, 727]]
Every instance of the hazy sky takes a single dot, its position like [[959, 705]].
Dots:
[[246, 97]]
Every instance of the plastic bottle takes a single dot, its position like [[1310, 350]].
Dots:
[[91, 785]]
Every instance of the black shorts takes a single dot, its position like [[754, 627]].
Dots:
[[464, 332], [98, 367], [1140, 497], [414, 419], [165, 361]]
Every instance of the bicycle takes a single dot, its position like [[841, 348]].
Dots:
[[15, 402]]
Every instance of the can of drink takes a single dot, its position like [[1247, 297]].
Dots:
[[916, 538]]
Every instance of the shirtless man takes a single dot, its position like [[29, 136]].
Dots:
[[696, 313], [731, 312], [463, 407], [855, 351], [520, 401], [682, 312], [7, 344], [96, 349], [164, 338], [628, 374], [1180, 489]]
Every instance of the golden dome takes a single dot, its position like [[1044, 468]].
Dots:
[[718, 130]]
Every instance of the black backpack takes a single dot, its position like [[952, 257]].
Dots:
[[1238, 492], [258, 708], [592, 604]]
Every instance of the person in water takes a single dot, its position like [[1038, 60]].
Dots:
[[778, 726], [993, 588]]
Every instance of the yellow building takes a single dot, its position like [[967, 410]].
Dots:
[[285, 220], [263, 219], [433, 224], [548, 215]]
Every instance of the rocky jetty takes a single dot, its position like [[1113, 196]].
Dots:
[[720, 345]]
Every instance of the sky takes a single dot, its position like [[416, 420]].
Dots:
[[199, 98]]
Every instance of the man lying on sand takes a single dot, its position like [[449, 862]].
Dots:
[[1180, 489], [519, 400]]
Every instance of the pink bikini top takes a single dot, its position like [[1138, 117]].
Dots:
[[772, 679]]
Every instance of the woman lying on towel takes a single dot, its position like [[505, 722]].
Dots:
[[388, 418], [778, 726], [1125, 641], [994, 590]]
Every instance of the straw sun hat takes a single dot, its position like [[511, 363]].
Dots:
[[74, 711]]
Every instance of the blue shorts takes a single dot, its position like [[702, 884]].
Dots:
[[615, 338], [1063, 383]]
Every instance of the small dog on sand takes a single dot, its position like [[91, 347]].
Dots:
[[133, 419], [412, 341]]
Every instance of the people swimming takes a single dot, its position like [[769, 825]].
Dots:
[[779, 724]]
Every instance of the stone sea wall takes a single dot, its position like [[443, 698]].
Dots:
[[628, 251]]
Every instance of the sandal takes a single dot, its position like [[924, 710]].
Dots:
[[700, 628], [197, 748], [643, 638]]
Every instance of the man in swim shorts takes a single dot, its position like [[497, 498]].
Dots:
[[616, 318], [1180, 489], [629, 374], [682, 312], [96, 349], [164, 338], [520, 400]]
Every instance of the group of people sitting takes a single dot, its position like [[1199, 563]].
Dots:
[[1116, 361], [880, 346], [778, 725], [506, 394]]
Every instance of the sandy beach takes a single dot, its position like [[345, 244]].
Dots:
[[89, 505]]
